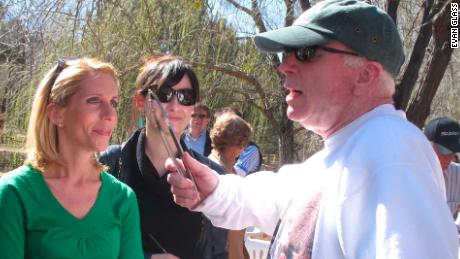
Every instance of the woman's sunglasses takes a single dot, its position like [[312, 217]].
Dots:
[[305, 54], [165, 94], [62, 63]]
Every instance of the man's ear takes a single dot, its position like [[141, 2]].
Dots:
[[367, 77], [55, 114], [139, 102], [208, 119]]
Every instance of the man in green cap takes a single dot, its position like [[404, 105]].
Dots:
[[376, 189]]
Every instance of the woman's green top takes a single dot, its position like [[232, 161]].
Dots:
[[33, 224]]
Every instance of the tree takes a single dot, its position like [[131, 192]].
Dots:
[[12, 61], [270, 100], [34, 34], [434, 27], [435, 19]]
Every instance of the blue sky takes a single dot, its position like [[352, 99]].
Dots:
[[273, 12]]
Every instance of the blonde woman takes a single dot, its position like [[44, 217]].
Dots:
[[61, 203], [229, 136]]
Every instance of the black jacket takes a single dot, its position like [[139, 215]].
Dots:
[[207, 145], [163, 222]]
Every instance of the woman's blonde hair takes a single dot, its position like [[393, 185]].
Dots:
[[230, 130], [58, 85]]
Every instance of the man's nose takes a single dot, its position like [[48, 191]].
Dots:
[[287, 64]]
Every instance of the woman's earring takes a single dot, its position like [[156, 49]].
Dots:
[[60, 125], [140, 122]]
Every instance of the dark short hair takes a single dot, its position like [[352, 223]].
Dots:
[[166, 70]]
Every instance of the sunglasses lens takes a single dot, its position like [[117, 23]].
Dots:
[[165, 94], [301, 54], [186, 97], [305, 54]]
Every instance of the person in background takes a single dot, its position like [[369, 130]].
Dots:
[[230, 135], [376, 188], [250, 160], [444, 135], [62, 203], [168, 230], [197, 135]]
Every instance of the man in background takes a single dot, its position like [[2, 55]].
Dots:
[[444, 135], [197, 136]]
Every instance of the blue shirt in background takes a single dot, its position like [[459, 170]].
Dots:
[[249, 161], [197, 144]]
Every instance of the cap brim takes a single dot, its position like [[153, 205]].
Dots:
[[443, 150], [456, 147], [294, 36]]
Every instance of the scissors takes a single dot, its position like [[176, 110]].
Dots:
[[163, 133]]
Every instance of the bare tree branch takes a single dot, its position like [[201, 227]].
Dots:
[[420, 108], [289, 18], [305, 5], [405, 87], [75, 22], [240, 7], [252, 81], [133, 23], [150, 16], [237, 74], [284, 126], [255, 13], [392, 9], [257, 16]]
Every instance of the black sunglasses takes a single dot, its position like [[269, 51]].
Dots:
[[60, 66], [186, 97], [305, 54]]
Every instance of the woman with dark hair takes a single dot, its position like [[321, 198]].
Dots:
[[62, 203], [168, 230]]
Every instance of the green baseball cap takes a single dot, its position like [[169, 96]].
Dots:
[[362, 27]]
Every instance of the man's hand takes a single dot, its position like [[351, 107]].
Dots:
[[183, 189]]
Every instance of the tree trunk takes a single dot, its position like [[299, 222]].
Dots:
[[305, 5], [392, 9], [409, 79], [2, 123], [420, 107], [286, 138]]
